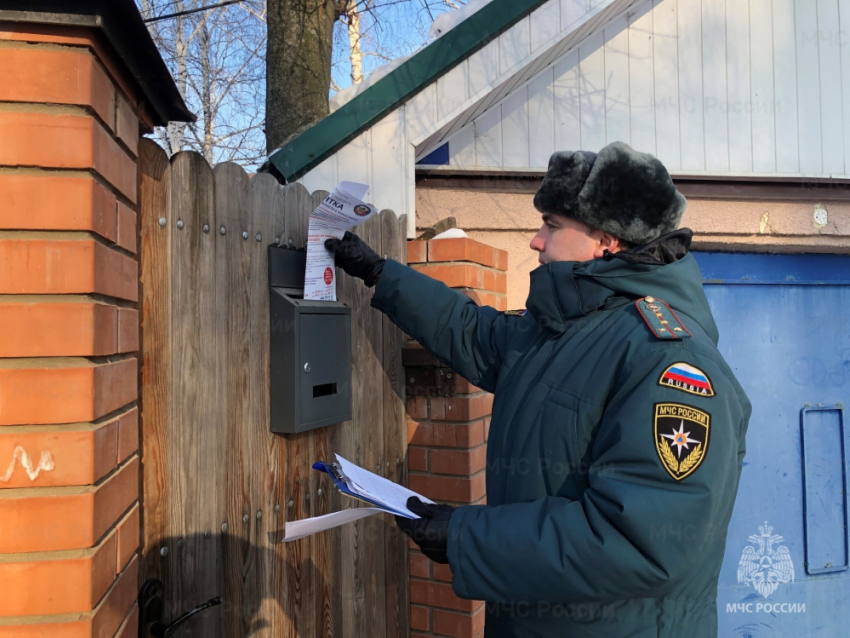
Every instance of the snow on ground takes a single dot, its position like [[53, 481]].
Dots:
[[444, 23]]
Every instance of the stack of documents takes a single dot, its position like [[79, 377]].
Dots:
[[361, 484]]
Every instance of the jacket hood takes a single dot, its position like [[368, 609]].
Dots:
[[563, 291]]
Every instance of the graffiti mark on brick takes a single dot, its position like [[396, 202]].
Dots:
[[20, 455]]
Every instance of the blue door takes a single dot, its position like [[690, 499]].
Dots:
[[785, 330]]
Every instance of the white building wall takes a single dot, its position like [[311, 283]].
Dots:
[[726, 87]]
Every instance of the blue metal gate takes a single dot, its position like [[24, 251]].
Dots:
[[785, 329]]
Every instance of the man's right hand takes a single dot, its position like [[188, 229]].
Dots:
[[355, 257]]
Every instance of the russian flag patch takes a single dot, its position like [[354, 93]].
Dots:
[[687, 378]]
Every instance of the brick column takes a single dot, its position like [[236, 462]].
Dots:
[[448, 421], [69, 468]]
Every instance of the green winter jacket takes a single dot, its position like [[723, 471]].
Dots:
[[613, 456]]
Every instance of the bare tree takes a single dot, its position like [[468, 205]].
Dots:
[[298, 66], [315, 45], [350, 12], [217, 56], [223, 62], [371, 33]]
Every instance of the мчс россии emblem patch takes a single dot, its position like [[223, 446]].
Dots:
[[681, 437]]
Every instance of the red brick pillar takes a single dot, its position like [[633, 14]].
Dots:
[[69, 334], [447, 430]]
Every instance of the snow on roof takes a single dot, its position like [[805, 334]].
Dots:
[[448, 20], [442, 24], [348, 93]]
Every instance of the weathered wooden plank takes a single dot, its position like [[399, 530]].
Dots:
[[326, 546], [356, 441], [344, 441], [312, 583], [267, 214], [297, 200], [282, 624], [297, 591], [196, 428], [300, 587], [243, 570], [156, 389], [394, 242], [369, 354]]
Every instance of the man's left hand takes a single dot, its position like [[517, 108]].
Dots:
[[431, 530]]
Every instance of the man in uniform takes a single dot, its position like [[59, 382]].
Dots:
[[617, 433]]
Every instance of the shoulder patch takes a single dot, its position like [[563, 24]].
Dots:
[[661, 319], [681, 437], [687, 378], [515, 313]]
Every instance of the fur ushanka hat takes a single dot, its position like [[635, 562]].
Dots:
[[621, 191]]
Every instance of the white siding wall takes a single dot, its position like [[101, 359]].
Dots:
[[733, 87], [496, 70]]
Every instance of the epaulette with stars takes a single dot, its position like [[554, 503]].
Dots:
[[661, 319]]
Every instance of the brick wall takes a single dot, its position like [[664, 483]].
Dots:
[[69, 468], [448, 421]]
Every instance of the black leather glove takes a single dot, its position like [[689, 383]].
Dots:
[[431, 531], [355, 257]]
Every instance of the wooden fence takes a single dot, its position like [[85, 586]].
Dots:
[[216, 482]]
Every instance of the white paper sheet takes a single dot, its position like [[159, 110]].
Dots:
[[364, 483], [310, 526], [339, 212], [378, 488]]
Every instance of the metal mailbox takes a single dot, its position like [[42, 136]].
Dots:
[[310, 343]]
